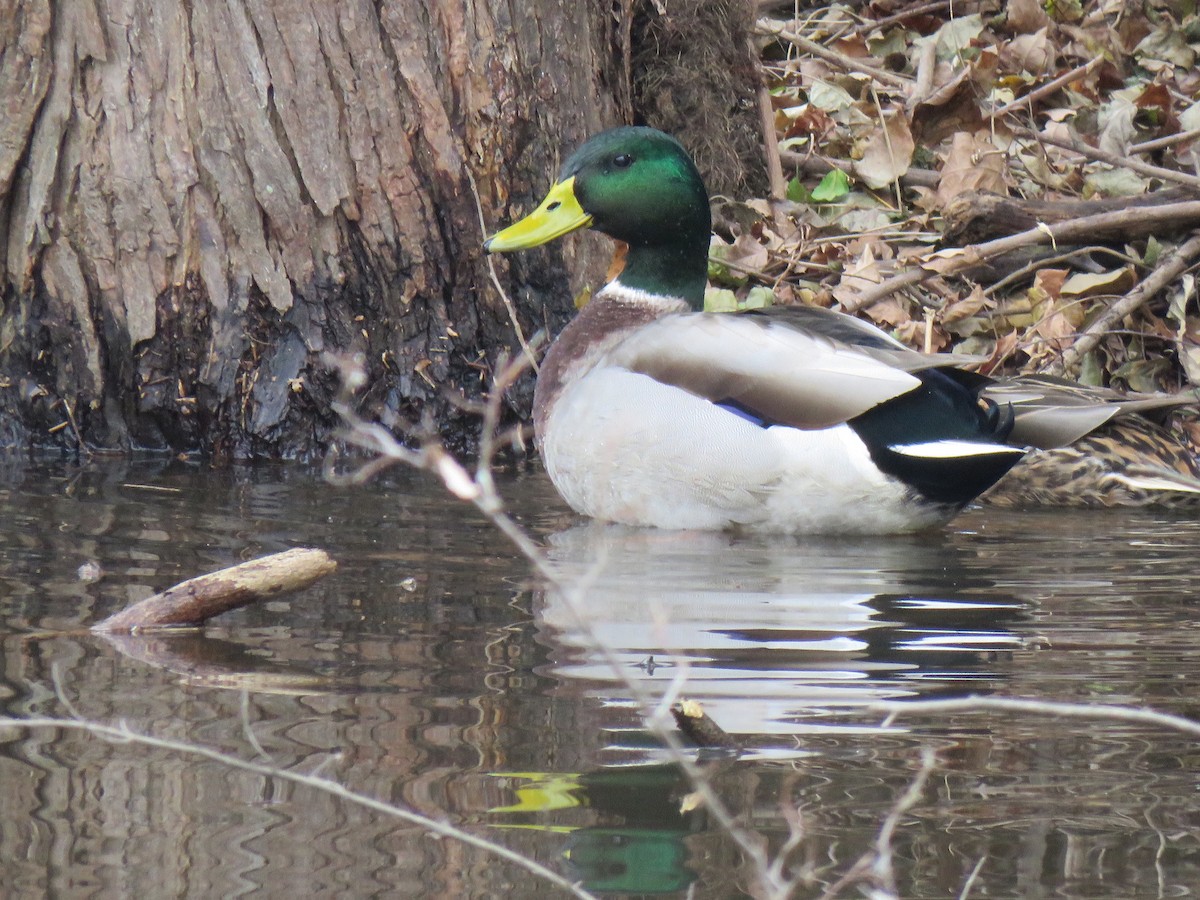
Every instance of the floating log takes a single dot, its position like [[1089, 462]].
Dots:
[[195, 601]]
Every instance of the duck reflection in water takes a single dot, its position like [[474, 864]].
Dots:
[[777, 636]]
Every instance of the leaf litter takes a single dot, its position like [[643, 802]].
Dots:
[[888, 116]]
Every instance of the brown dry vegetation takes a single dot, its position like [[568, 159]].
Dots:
[[1021, 180]]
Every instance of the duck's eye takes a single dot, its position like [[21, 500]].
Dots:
[[623, 161]]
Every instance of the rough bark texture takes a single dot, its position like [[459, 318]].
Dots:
[[199, 200]]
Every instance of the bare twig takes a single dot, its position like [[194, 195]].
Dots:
[[480, 490], [1122, 222], [840, 60], [248, 727], [1051, 259], [80, 445], [1120, 162], [699, 726], [912, 11], [926, 66], [896, 709], [876, 864], [495, 278], [970, 882], [123, 735], [1160, 143], [766, 114], [887, 142], [1169, 268], [1050, 87], [819, 165]]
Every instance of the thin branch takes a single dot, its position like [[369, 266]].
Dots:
[[124, 735], [926, 67], [248, 728], [882, 867], [495, 278], [1160, 143], [911, 12], [1120, 162], [840, 60], [820, 165], [876, 864], [481, 492], [896, 709], [1145, 218], [195, 601], [80, 445], [1169, 268], [970, 882], [766, 115], [1050, 87], [1052, 259]]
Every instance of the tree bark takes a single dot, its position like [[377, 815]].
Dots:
[[200, 200]]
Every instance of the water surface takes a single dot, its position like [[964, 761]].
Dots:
[[434, 670]]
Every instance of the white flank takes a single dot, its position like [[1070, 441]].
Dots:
[[954, 449]]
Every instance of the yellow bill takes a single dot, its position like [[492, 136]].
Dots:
[[559, 214]]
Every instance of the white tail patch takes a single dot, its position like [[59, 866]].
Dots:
[[954, 449], [1152, 483]]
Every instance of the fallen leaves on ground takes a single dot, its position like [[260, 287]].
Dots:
[[915, 104]]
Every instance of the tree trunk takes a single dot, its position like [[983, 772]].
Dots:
[[202, 203], [201, 200]]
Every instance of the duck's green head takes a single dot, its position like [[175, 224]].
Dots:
[[637, 185]]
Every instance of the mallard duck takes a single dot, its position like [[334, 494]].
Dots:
[[1093, 447], [648, 411]]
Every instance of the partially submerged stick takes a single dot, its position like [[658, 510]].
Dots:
[[197, 600], [694, 722]]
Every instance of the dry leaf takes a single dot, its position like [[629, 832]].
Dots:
[[1032, 53], [920, 335], [1114, 183], [861, 275], [1050, 336], [807, 120], [956, 35], [888, 311], [1166, 44], [747, 253], [1047, 285], [965, 307], [973, 164], [1026, 16], [952, 106], [888, 153], [945, 261], [1006, 346], [1118, 131], [1189, 356], [1088, 284]]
